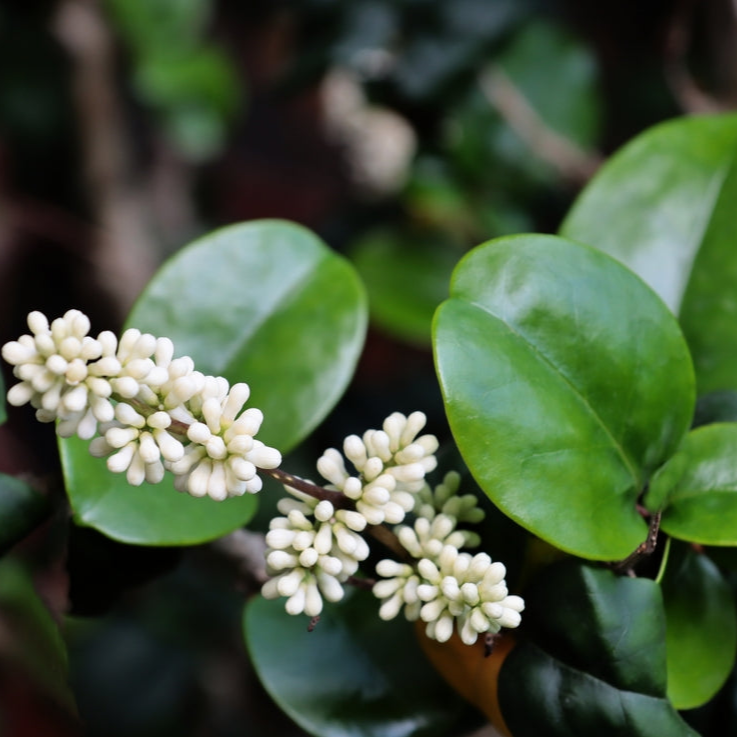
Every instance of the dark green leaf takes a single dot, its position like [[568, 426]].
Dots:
[[21, 510], [353, 676], [147, 514], [566, 382], [405, 280], [697, 488], [594, 663], [664, 206], [269, 304], [701, 627], [37, 650]]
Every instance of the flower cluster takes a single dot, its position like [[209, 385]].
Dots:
[[391, 465], [446, 585], [153, 412], [311, 551]]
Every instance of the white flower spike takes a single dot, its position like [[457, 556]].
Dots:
[[154, 412]]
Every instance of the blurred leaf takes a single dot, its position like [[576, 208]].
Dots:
[[406, 280], [147, 514], [541, 51], [32, 641], [541, 354], [204, 78], [664, 205], [160, 24], [22, 509], [697, 487], [269, 304], [595, 661], [190, 83], [701, 627], [354, 675]]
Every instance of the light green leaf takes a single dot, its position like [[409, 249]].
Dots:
[[353, 676], [146, 514], [269, 304], [701, 627], [566, 383], [697, 488], [266, 303], [664, 205]]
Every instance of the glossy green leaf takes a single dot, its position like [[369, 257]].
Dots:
[[595, 660], [697, 488], [664, 205], [22, 509], [701, 627], [353, 676], [32, 641], [405, 280], [146, 514], [566, 382], [269, 304]]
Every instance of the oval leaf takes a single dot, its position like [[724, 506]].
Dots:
[[266, 303], [697, 488], [595, 661], [146, 514], [566, 382], [701, 627], [263, 302], [664, 205], [353, 676]]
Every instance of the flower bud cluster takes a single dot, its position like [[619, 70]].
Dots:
[[446, 585], [311, 551], [390, 465], [154, 412]]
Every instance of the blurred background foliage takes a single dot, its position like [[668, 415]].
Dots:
[[403, 132]]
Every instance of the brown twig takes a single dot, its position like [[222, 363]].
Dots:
[[570, 160], [644, 549]]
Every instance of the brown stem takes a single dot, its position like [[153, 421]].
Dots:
[[644, 549], [387, 538], [336, 498], [361, 583]]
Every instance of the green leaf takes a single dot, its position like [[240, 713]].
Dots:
[[701, 627], [266, 303], [146, 514], [353, 676], [37, 649], [595, 661], [269, 304], [697, 488], [22, 509], [406, 281], [664, 206], [566, 382]]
